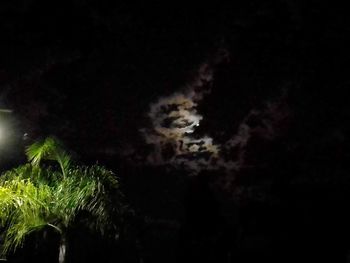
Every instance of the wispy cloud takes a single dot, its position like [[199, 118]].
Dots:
[[173, 123]]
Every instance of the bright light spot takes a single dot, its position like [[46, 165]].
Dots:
[[25, 136], [3, 124], [1, 134]]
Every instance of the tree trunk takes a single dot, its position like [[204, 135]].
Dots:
[[62, 249]]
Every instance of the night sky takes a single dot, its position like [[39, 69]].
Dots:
[[227, 124]]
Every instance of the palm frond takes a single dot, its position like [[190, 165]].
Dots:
[[26, 171], [33, 196], [86, 189], [23, 209], [49, 149]]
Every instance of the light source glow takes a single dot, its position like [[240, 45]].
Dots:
[[1, 134]]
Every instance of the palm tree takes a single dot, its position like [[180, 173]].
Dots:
[[49, 191]]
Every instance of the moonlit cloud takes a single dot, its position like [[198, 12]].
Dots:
[[174, 119]]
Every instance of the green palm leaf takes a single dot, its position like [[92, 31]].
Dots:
[[49, 149], [33, 196]]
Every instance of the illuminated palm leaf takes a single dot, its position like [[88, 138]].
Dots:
[[34, 196], [49, 149], [22, 208]]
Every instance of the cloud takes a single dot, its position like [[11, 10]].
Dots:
[[174, 119]]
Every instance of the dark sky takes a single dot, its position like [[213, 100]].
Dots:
[[87, 71]]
